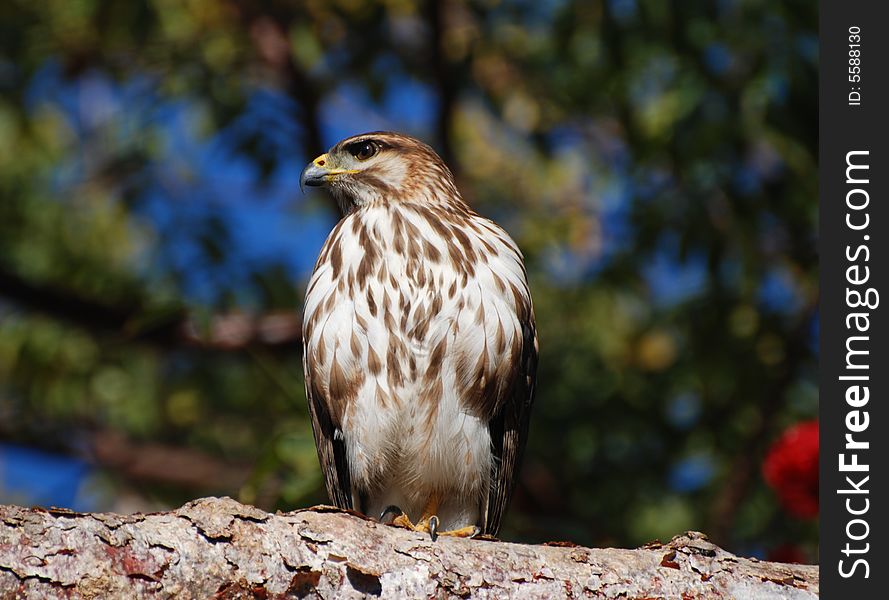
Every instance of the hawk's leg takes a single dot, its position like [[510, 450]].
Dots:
[[429, 521], [400, 519]]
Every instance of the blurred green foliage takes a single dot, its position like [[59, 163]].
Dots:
[[655, 160]]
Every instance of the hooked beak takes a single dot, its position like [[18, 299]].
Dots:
[[314, 174], [318, 172]]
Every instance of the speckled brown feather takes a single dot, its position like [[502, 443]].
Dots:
[[423, 201]]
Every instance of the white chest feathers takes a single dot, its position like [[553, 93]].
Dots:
[[413, 327]]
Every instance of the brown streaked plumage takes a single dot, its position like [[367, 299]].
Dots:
[[420, 344]]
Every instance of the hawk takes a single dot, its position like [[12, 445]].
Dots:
[[420, 349]]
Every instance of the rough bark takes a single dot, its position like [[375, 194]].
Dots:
[[219, 548]]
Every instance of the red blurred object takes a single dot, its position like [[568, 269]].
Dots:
[[791, 469]]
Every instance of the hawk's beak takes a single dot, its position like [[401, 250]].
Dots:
[[315, 173], [318, 172]]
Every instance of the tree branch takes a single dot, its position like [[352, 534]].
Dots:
[[269, 36], [444, 78], [226, 332], [166, 464], [222, 549], [62, 304], [180, 466]]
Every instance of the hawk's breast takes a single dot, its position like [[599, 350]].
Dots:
[[413, 332]]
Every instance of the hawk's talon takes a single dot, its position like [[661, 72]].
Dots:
[[390, 510], [428, 525], [433, 527]]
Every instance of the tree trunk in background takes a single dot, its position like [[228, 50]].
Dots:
[[219, 548]]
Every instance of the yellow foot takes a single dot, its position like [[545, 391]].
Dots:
[[402, 520], [429, 524], [463, 532]]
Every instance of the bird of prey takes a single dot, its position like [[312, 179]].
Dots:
[[420, 349]]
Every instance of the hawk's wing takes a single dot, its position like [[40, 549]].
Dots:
[[325, 406], [509, 428], [331, 446]]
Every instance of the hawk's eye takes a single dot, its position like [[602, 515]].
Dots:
[[363, 150]]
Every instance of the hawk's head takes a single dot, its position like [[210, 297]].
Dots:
[[382, 167]]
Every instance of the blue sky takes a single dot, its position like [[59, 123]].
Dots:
[[29, 476]]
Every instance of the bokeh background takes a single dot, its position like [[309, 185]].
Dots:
[[655, 160]]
